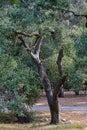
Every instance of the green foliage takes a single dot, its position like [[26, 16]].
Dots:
[[63, 3], [19, 81], [81, 45], [52, 69], [19, 84], [69, 48]]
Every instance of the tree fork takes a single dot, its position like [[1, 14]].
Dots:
[[53, 104], [51, 95]]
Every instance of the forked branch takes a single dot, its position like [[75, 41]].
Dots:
[[37, 43]]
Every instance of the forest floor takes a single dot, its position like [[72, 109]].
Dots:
[[70, 120], [70, 99]]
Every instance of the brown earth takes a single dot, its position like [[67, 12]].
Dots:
[[70, 99], [77, 117]]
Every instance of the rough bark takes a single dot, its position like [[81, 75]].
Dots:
[[51, 95], [59, 62], [60, 68], [55, 116], [52, 102]]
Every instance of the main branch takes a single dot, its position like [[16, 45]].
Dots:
[[59, 61], [62, 79]]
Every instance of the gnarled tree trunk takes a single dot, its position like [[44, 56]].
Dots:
[[52, 95], [53, 104]]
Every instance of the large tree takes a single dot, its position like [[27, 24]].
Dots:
[[40, 22], [52, 94]]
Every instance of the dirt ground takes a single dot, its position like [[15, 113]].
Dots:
[[70, 99], [70, 117]]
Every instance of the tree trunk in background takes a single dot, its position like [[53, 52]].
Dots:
[[60, 68], [61, 93]]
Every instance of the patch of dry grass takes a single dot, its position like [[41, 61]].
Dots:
[[42, 119], [42, 126]]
